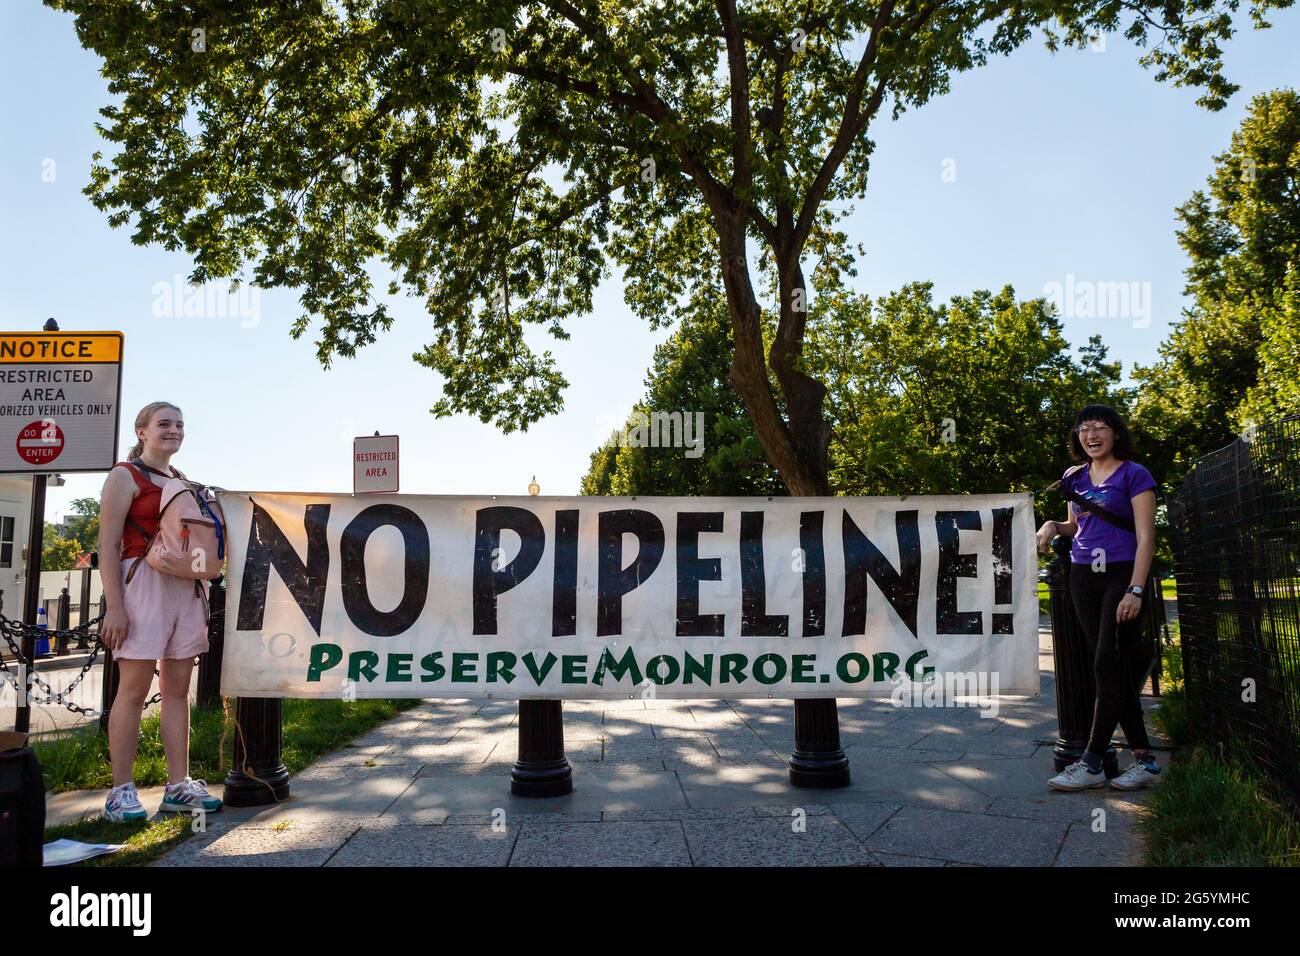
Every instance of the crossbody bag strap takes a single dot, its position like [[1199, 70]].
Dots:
[[1119, 521]]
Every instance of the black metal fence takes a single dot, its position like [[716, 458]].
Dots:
[[1235, 529]]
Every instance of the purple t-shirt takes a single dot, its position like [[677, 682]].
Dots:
[[1115, 494]]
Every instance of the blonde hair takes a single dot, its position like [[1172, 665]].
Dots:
[[142, 421]]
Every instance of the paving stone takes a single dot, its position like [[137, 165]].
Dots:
[[786, 813], [291, 845], [679, 813], [968, 838], [919, 784], [875, 753], [494, 770], [351, 758], [730, 785], [354, 772], [671, 752], [333, 801], [895, 859], [1117, 846], [408, 845], [595, 789], [470, 749], [1122, 810], [618, 727], [823, 841], [1002, 776], [866, 817], [993, 745], [549, 819], [602, 844]]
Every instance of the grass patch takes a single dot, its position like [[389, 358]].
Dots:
[[78, 760], [1213, 810], [1214, 807], [144, 842]]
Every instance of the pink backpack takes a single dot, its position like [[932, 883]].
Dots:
[[191, 538]]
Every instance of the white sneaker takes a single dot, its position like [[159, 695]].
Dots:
[[187, 796], [123, 803], [1077, 776], [1136, 777]]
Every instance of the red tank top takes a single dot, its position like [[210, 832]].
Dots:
[[142, 518]]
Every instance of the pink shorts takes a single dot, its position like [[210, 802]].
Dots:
[[166, 619]]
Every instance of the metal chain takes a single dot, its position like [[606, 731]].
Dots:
[[11, 629]]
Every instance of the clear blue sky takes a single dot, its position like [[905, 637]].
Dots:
[[1064, 165]]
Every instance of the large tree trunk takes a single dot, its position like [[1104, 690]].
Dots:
[[818, 761], [798, 449]]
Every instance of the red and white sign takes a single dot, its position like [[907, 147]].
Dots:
[[374, 465], [39, 443]]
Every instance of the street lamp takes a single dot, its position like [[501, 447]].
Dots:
[[534, 488]]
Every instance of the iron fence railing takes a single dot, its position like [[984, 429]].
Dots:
[[1234, 525]]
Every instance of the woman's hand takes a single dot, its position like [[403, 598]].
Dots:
[[1046, 533], [112, 631], [1129, 608]]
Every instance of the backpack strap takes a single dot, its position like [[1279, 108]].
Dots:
[[1069, 494]]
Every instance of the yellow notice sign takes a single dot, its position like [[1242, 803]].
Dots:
[[61, 347], [59, 401]]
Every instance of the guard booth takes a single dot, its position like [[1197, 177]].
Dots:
[[15, 511]]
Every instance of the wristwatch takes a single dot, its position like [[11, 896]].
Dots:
[[1135, 590]]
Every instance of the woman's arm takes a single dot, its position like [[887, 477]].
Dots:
[[1050, 529], [115, 501], [1144, 517]]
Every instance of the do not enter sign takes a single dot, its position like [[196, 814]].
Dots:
[[40, 442]]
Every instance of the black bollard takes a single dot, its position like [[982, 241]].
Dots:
[[83, 608], [258, 776], [1076, 684], [62, 618], [107, 688], [209, 689], [818, 761], [542, 770]]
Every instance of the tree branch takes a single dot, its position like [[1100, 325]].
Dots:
[[741, 176]]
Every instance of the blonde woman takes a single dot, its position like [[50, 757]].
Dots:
[[153, 619]]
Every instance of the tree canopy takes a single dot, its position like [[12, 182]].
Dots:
[[973, 395], [1234, 359], [500, 158]]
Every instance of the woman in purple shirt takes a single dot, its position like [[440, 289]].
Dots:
[[1108, 568]]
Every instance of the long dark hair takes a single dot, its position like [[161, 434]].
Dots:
[[1123, 449]]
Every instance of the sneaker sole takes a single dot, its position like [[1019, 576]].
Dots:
[[1134, 786], [136, 817], [1086, 786]]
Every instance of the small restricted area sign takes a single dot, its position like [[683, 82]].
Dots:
[[60, 397], [374, 465]]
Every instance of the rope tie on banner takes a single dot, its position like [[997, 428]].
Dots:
[[247, 770], [16, 631]]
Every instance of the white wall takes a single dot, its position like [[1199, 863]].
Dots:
[[15, 503]]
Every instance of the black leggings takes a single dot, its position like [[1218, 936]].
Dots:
[[1120, 664]]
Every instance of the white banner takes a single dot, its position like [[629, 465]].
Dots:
[[440, 596]]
